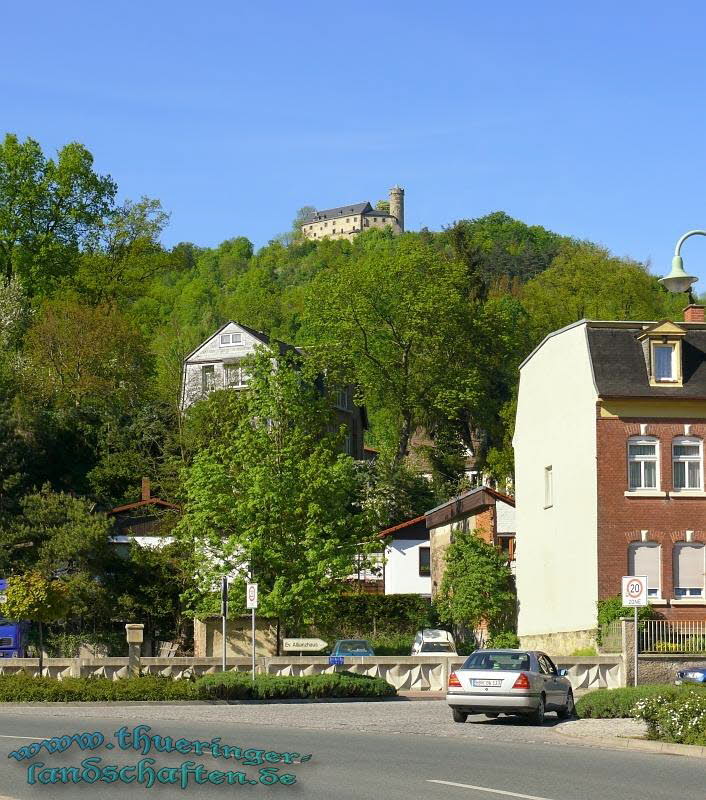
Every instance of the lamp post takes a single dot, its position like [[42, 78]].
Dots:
[[677, 280]]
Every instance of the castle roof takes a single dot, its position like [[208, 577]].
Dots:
[[346, 211]]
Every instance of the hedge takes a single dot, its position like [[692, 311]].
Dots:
[[612, 703], [219, 686], [240, 686]]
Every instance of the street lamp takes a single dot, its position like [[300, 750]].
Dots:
[[678, 280]]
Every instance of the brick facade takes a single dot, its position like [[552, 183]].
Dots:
[[666, 519]]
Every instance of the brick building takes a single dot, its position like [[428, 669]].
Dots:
[[609, 437]]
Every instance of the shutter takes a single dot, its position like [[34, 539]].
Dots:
[[645, 561], [689, 566]]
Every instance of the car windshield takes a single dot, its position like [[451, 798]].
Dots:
[[437, 647], [352, 647], [511, 662]]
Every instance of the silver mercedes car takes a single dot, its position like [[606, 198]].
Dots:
[[494, 682]]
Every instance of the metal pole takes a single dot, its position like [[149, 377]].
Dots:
[[224, 615], [635, 636], [253, 644]]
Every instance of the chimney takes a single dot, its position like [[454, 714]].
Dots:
[[694, 313], [146, 493]]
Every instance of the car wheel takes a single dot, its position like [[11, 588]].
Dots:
[[492, 716], [458, 715], [569, 709], [537, 716]]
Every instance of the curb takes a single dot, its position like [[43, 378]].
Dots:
[[645, 745], [177, 703]]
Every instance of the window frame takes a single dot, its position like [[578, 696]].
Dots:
[[548, 486], [642, 460], [686, 460], [426, 549], [243, 378], [208, 369], [675, 572], [654, 594], [227, 339]]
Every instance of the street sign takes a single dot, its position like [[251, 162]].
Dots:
[[634, 590], [224, 597], [251, 595], [335, 661], [308, 645]]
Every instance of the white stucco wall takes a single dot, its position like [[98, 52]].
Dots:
[[402, 568], [505, 516], [557, 581]]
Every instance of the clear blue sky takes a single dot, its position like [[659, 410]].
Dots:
[[589, 119]]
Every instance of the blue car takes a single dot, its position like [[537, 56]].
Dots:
[[693, 675], [352, 647]]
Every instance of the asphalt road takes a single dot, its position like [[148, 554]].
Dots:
[[345, 763]]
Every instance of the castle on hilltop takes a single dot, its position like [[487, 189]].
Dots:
[[345, 222]]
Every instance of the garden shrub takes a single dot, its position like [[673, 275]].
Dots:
[[26, 688], [503, 641], [613, 703], [680, 719]]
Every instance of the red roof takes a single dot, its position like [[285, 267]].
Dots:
[[399, 527]]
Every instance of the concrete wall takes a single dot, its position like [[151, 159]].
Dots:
[[556, 566], [208, 637], [505, 516], [402, 568], [563, 643]]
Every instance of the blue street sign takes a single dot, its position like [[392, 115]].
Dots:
[[335, 661]]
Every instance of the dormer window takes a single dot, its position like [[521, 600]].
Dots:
[[662, 348], [229, 339]]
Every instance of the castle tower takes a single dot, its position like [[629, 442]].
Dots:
[[397, 205]]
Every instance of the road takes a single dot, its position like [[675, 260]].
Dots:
[[362, 750]]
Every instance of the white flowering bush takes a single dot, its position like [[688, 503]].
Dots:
[[677, 719]]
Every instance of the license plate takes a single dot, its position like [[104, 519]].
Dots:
[[485, 682]]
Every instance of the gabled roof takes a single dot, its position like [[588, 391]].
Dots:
[[153, 501], [479, 497], [341, 211], [259, 335]]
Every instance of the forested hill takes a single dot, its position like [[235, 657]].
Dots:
[[96, 316]]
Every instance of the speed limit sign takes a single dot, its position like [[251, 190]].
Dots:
[[634, 590], [251, 595]]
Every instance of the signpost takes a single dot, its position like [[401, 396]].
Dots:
[[251, 598], [635, 596], [304, 645], [224, 616]]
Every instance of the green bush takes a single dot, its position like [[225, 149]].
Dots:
[[25, 688], [503, 641], [392, 644], [680, 719], [612, 608], [585, 651], [612, 703], [240, 686], [369, 616], [219, 686]]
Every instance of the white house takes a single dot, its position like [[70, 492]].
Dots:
[[407, 567]]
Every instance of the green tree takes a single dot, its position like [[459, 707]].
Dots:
[[35, 598], [270, 488], [49, 208], [477, 588]]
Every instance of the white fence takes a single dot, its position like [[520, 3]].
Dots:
[[664, 636], [405, 673]]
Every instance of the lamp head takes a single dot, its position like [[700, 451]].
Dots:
[[678, 280]]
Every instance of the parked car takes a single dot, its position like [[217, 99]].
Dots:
[[524, 682], [693, 675], [431, 640], [352, 647]]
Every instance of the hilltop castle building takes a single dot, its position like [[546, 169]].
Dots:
[[346, 222]]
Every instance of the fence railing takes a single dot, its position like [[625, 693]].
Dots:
[[610, 637], [665, 636]]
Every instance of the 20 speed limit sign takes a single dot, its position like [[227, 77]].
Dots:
[[634, 590]]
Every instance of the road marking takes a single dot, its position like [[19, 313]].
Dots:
[[33, 738], [492, 791]]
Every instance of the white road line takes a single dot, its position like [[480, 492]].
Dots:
[[33, 738], [492, 791]]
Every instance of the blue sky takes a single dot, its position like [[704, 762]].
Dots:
[[589, 119]]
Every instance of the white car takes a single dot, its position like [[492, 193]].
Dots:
[[494, 682], [431, 640]]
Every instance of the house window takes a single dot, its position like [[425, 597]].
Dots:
[[342, 399], [208, 378], [348, 444], [424, 562], [688, 570], [663, 355], [548, 487], [231, 338], [687, 463], [642, 464], [507, 547], [235, 375], [644, 558]]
